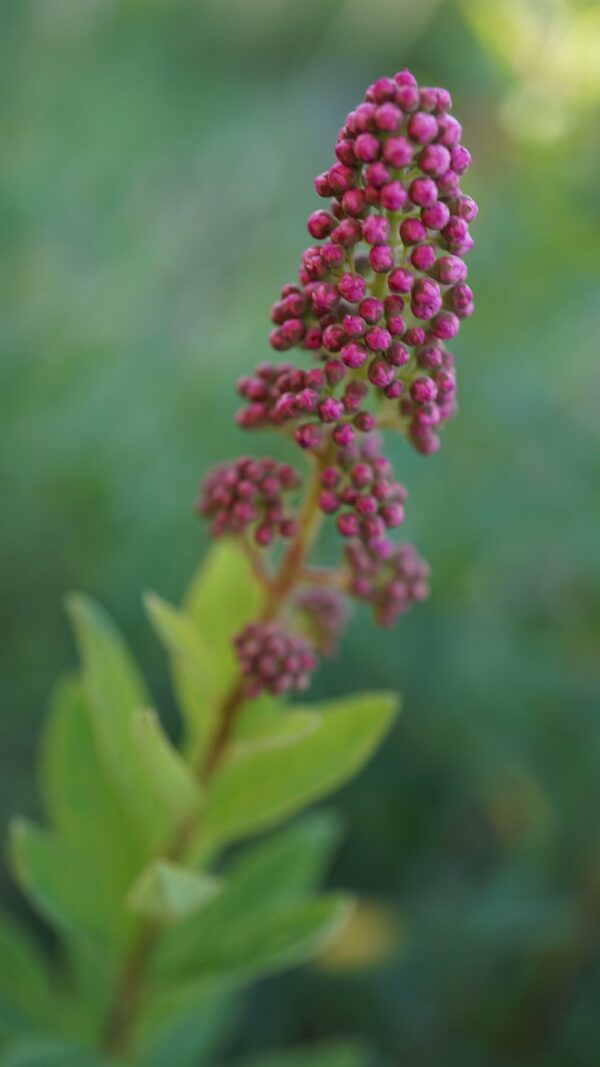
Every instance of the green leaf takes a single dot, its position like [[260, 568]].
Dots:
[[257, 788], [169, 777], [184, 1030], [193, 681], [81, 803], [267, 877], [338, 1055], [24, 985], [223, 597], [67, 886], [167, 892], [275, 729], [115, 690], [273, 942], [47, 1052]]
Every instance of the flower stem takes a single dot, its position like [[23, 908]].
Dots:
[[128, 991]]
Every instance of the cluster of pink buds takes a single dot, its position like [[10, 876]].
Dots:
[[389, 577], [387, 287], [273, 659], [326, 612], [380, 292], [248, 494], [359, 484]]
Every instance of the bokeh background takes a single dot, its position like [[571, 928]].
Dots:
[[157, 166]]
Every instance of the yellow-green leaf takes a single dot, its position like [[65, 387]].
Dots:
[[169, 776], [115, 690], [257, 788]]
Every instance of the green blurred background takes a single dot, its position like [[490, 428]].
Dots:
[[157, 166]]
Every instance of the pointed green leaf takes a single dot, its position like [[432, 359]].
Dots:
[[273, 942], [258, 788], [274, 730], [194, 684], [337, 1055], [223, 597], [24, 985], [170, 778], [186, 1031], [167, 892], [115, 690], [67, 887], [80, 800], [48, 1052], [267, 877]]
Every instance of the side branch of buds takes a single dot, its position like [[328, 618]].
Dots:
[[379, 294]]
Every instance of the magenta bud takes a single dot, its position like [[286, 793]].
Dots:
[[401, 280], [434, 160], [348, 233], [394, 390], [396, 325], [332, 255], [422, 127], [365, 421], [344, 151], [381, 373], [397, 354], [407, 97], [465, 207], [376, 229], [364, 116], [392, 515], [393, 196], [322, 185], [353, 355], [361, 475], [320, 224], [343, 435], [412, 231], [330, 410], [445, 325], [388, 117], [415, 336], [353, 201], [334, 371], [436, 216], [377, 175], [333, 337], [423, 390], [371, 309], [329, 501], [423, 192], [450, 269], [378, 339], [423, 257], [398, 152], [381, 258], [354, 326], [429, 358], [308, 436], [460, 158], [367, 147], [348, 525], [352, 287]]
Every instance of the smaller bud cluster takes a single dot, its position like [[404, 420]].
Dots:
[[326, 612], [273, 659], [248, 495], [391, 579], [360, 486]]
